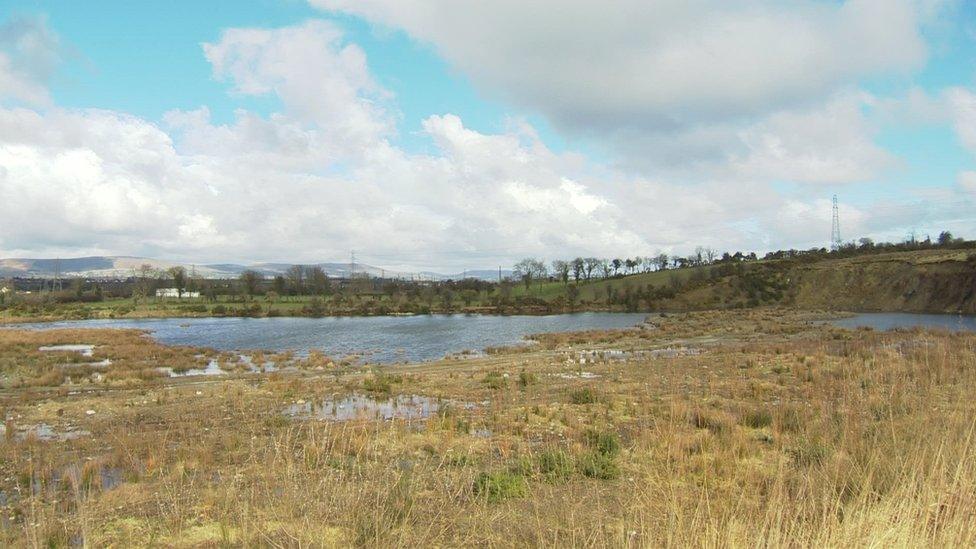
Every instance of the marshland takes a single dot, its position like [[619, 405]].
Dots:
[[375, 273], [757, 427]]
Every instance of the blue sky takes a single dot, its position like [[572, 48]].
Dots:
[[146, 60], [433, 134]]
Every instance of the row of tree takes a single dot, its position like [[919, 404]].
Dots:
[[580, 269]]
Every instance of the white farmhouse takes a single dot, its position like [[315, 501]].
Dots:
[[175, 293]]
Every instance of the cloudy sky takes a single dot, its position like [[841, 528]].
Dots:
[[448, 135]]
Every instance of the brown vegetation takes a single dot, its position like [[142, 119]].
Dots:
[[773, 432]]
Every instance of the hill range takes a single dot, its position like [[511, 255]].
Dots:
[[121, 267]]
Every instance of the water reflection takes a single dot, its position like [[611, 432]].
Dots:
[[363, 407]]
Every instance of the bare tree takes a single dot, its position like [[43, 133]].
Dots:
[[662, 261], [591, 264], [251, 280], [528, 269], [560, 269], [541, 272], [579, 267], [178, 274], [145, 276], [296, 278], [317, 280]]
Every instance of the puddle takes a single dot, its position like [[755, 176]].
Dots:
[[87, 477], [212, 369], [578, 375], [110, 476], [614, 355], [85, 350], [674, 352], [45, 432], [264, 367], [363, 407], [100, 364]]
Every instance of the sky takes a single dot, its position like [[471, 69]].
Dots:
[[444, 135]]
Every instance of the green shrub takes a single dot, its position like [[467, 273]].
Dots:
[[527, 378], [495, 380], [500, 485], [604, 442], [554, 464], [381, 383], [584, 395], [598, 465]]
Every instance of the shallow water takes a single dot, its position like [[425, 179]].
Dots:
[[382, 339], [889, 321], [353, 407], [85, 350], [44, 432]]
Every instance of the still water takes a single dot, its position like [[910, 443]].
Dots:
[[888, 321], [378, 338]]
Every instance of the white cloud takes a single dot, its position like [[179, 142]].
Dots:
[[322, 176], [318, 77], [831, 145], [967, 180], [962, 107], [678, 84], [660, 61], [29, 54]]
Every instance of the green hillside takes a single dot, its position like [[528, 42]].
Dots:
[[911, 281]]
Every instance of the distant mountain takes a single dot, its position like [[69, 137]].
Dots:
[[483, 274], [110, 267]]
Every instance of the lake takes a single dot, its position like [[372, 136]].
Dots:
[[383, 339], [888, 321]]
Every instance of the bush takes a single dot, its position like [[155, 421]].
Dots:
[[500, 485], [314, 308], [527, 378], [604, 442], [554, 464], [598, 465], [584, 395], [381, 383], [495, 380]]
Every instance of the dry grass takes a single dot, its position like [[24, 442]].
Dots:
[[778, 433]]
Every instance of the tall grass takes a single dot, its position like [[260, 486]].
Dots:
[[867, 439]]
